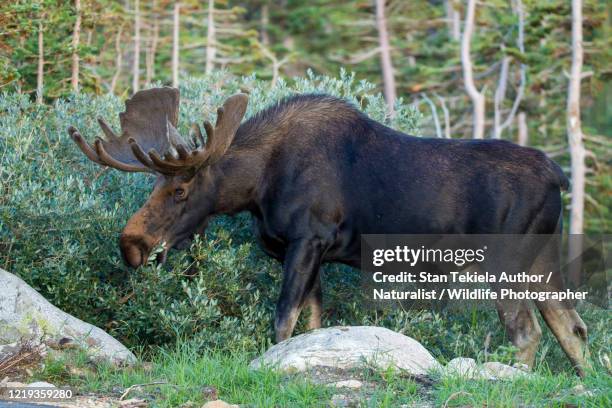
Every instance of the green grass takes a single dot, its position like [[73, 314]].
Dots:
[[186, 372], [541, 389]]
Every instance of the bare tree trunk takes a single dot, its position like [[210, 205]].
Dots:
[[523, 130], [447, 127], [175, 44], [41, 62], [136, 62], [576, 142], [118, 59], [211, 48], [454, 20], [501, 126], [76, 36], [500, 95], [477, 97], [265, 21], [434, 114], [385, 56], [152, 49]]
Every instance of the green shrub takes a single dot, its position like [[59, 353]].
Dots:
[[61, 216]]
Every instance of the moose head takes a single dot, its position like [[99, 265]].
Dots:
[[149, 142]]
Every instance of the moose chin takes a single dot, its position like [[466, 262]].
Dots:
[[315, 173]]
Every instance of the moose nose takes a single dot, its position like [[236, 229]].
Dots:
[[134, 250]]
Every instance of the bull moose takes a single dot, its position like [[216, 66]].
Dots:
[[316, 173]]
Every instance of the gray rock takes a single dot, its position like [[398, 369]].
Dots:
[[463, 367], [354, 384], [500, 371], [468, 368], [40, 384], [27, 315], [349, 347]]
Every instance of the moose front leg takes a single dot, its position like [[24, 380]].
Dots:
[[300, 277], [314, 301]]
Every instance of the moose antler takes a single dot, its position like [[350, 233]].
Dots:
[[149, 125]]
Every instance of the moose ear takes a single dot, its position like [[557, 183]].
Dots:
[[228, 121]]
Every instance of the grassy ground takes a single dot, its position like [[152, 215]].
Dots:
[[187, 377]]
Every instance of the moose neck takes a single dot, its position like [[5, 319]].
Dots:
[[237, 178]]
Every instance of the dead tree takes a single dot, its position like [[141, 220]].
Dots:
[[523, 130], [175, 44], [118, 59], [500, 94], [576, 144], [478, 99], [385, 56], [152, 48], [76, 35], [41, 65], [211, 46], [136, 62], [453, 20]]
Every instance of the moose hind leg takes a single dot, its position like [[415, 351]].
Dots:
[[299, 288], [522, 328], [561, 317]]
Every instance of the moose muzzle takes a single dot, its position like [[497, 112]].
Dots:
[[135, 249]]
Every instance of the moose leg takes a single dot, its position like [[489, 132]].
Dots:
[[522, 328], [570, 331], [561, 317], [300, 273], [314, 302]]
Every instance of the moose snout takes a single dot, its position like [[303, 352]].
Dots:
[[134, 249]]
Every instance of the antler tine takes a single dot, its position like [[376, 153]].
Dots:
[[165, 165], [220, 112], [210, 131], [107, 129], [182, 151], [197, 136], [84, 146], [153, 161]]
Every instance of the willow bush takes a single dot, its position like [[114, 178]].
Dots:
[[61, 216]]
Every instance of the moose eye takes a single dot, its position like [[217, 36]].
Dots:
[[179, 193]]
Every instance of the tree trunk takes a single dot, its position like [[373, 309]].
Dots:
[[152, 49], [576, 144], [574, 130], [136, 62], [385, 56], [211, 49], [454, 20], [500, 95], [175, 44], [477, 97], [76, 36], [265, 21], [523, 130], [118, 59], [41, 62], [500, 126]]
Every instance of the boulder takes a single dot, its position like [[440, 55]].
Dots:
[[25, 315], [346, 348], [492, 370], [500, 371], [463, 367]]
